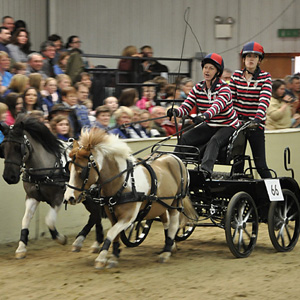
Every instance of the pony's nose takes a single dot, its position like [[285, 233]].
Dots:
[[11, 179], [72, 200]]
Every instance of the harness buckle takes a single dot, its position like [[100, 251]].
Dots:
[[125, 184], [110, 201]]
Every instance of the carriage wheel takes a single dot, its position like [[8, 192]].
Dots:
[[136, 233], [184, 232], [241, 225], [283, 222]]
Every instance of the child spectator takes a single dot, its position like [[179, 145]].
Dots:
[[103, 115], [19, 83], [50, 95], [112, 103], [60, 127], [128, 97], [147, 101], [3, 113], [145, 126]]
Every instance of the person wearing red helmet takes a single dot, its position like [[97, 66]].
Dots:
[[251, 93], [215, 114]]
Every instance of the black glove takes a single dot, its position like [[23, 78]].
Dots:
[[199, 119], [172, 111], [254, 124]]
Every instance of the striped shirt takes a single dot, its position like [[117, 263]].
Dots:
[[216, 104], [251, 98]]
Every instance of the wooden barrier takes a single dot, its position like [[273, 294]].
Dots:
[[70, 221]]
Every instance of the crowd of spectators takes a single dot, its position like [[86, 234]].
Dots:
[[52, 83]]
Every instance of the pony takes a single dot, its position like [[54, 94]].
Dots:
[[128, 188], [30, 148]]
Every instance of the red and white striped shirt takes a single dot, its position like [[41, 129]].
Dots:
[[216, 104], [251, 98]]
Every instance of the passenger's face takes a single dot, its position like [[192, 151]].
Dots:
[[209, 71], [251, 61]]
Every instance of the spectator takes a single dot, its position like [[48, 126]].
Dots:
[[281, 112], [19, 24], [3, 114], [147, 101], [36, 81], [9, 23], [226, 76], [136, 118], [145, 126], [85, 78], [170, 126], [294, 90], [63, 81], [103, 115], [128, 97], [82, 92], [161, 83], [48, 52], [60, 127], [50, 95], [14, 103], [19, 47], [75, 64], [173, 93], [61, 66], [4, 73], [123, 115], [158, 112], [5, 37], [18, 84], [19, 68], [35, 64], [58, 44], [112, 103], [59, 109], [186, 84], [30, 100]]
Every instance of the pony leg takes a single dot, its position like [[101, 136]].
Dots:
[[171, 232], [50, 221], [95, 248], [30, 208]]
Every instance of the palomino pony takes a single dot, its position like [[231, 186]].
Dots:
[[128, 188], [29, 145]]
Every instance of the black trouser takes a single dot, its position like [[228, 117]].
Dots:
[[214, 137]]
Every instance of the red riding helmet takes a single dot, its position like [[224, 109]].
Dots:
[[253, 47], [216, 60]]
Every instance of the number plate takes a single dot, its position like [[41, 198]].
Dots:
[[274, 189]]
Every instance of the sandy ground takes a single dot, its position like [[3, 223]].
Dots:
[[202, 268]]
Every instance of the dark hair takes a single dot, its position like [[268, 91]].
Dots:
[[19, 24], [275, 86], [3, 27], [54, 38], [102, 109], [127, 97], [11, 101], [46, 44], [14, 40], [70, 40], [6, 17], [36, 105]]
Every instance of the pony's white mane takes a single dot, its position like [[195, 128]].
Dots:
[[114, 146]]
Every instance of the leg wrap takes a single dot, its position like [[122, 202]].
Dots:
[[24, 236], [54, 233], [166, 235], [99, 233], [116, 251], [106, 244], [168, 245]]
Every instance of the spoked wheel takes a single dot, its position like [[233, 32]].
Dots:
[[136, 233], [283, 222], [241, 225], [184, 232]]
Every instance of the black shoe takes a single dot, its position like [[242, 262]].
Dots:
[[205, 174]]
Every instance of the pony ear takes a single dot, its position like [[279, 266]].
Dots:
[[4, 128], [75, 144]]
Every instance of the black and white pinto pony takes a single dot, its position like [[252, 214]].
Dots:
[[30, 148], [128, 187]]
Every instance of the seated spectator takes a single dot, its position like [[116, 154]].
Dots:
[[128, 97], [85, 78], [19, 46], [36, 81], [226, 76], [161, 83], [136, 118], [186, 84], [14, 103], [19, 24], [9, 23], [19, 68], [147, 101], [103, 115], [4, 71], [30, 100], [158, 112], [60, 127], [148, 69], [58, 44], [63, 81], [3, 114], [112, 103], [173, 93], [48, 52], [18, 84], [35, 64], [50, 95], [61, 66], [82, 92], [123, 115], [5, 37], [281, 111], [145, 126], [59, 109]]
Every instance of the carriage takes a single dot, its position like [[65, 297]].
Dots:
[[235, 201]]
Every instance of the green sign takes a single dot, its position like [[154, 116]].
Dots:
[[288, 33]]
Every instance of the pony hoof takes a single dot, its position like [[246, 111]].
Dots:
[[20, 255], [76, 249], [164, 257], [62, 240], [95, 250], [99, 265], [112, 264]]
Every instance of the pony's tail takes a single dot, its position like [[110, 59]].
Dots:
[[189, 214]]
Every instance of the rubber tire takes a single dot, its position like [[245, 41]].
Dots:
[[240, 205], [136, 233], [184, 232], [283, 222]]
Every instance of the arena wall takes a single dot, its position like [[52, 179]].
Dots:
[[70, 221]]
